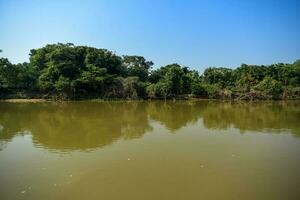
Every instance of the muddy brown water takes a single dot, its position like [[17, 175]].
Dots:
[[150, 150]]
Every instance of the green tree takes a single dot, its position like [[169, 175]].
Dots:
[[64, 86], [164, 88], [70, 71], [174, 76], [270, 87], [224, 77], [137, 66], [198, 89]]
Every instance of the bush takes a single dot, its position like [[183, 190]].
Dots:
[[151, 91], [270, 87], [198, 89], [212, 91], [130, 87]]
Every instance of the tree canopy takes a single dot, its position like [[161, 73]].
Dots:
[[66, 71]]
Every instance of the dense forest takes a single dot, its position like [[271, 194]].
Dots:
[[66, 71]]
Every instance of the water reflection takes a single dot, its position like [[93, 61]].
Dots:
[[70, 126], [90, 125], [266, 117]]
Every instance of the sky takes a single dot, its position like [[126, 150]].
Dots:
[[194, 33]]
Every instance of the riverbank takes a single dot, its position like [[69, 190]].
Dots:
[[25, 100], [252, 95], [34, 100]]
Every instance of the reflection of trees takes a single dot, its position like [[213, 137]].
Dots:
[[259, 116], [81, 125], [88, 125], [174, 115]]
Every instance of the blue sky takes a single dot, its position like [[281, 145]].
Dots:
[[193, 33]]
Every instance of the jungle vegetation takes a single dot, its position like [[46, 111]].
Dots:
[[66, 71]]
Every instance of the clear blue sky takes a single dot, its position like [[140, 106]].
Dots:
[[194, 33]]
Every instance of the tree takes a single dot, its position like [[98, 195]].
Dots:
[[247, 76], [174, 76], [103, 58], [198, 89], [130, 85], [64, 86], [6, 73], [164, 88], [270, 87], [91, 81], [212, 90], [151, 91], [224, 77], [70, 71], [137, 66]]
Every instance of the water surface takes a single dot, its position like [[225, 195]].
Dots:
[[150, 150]]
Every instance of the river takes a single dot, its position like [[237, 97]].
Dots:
[[140, 150]]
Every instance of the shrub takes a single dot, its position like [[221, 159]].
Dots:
[[270, 87], [198, 89]]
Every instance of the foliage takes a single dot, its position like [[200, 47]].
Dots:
[[221, 76], [270, 87], [69, 72], [212, 90], [17, 77], [198, 89], [137, 66]]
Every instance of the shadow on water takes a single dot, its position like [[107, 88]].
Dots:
[[90, 125]]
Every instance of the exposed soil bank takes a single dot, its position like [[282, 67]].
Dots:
[[24, 100]]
